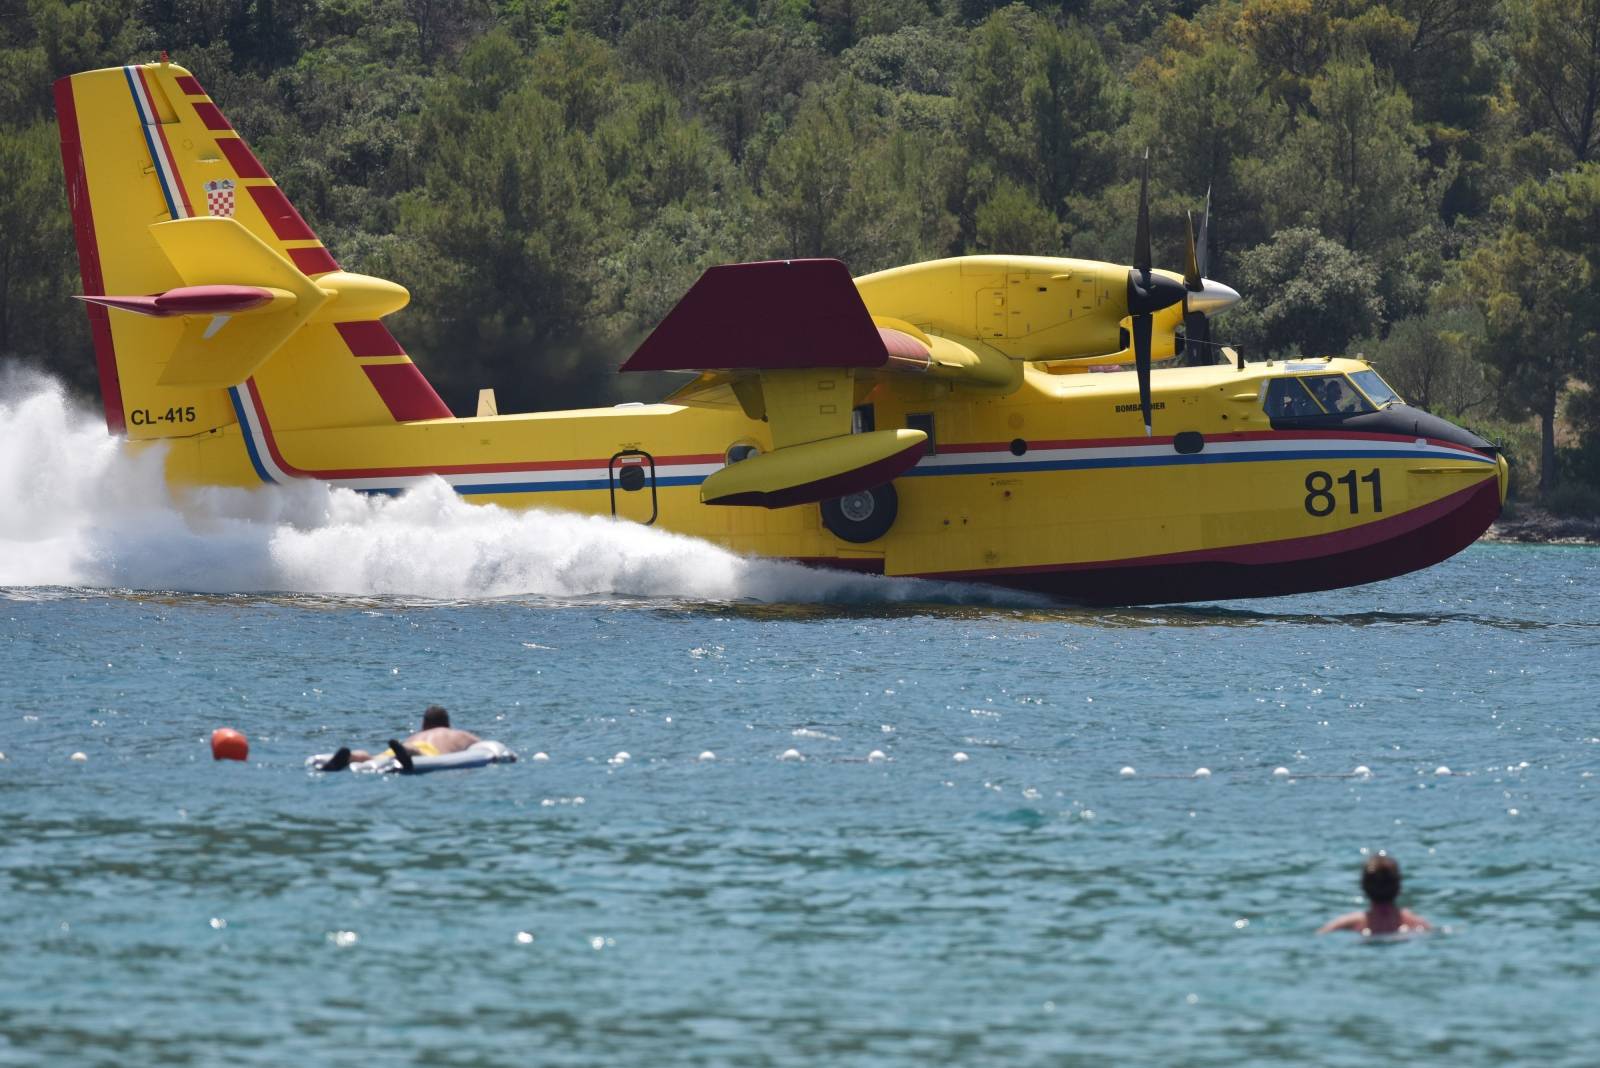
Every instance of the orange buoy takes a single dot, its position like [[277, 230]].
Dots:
[[229, 744]]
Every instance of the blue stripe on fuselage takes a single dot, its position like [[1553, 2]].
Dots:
[[155, 160], [249, 438]]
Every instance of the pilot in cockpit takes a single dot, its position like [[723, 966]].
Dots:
[[1337, 396]]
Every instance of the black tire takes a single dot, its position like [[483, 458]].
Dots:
[[862, 517]]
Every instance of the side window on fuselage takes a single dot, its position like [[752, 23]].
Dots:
[[923, 421], [1286, 398]]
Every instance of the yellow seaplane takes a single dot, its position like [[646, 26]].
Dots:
[[937, 420]]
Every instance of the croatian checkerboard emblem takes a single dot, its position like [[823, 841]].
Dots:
[[219, 197]]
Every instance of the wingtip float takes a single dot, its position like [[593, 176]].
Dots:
[[934, 419]]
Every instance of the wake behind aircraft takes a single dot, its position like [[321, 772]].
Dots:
[[937, 420]]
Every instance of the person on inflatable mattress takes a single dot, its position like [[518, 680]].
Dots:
[[436, 737]]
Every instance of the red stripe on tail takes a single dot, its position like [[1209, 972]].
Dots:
[[243, 161], [211, 115], [406, 392], [280, 214], [313, 260], [370, 338], [105, 356]]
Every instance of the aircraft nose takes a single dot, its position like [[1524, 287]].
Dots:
[[1212, 297]]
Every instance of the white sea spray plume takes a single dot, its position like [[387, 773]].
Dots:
[[84, 509]]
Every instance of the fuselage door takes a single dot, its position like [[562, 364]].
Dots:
[[633, 486]]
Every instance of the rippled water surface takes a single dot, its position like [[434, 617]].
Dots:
[[1029, 904]]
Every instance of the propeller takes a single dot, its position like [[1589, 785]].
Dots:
[[1196, 323], [1149, 293]]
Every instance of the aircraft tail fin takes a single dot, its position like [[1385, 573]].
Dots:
[[207, 292]]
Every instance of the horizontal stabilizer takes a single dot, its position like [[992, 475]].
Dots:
[[776, 315], [196, 300], [816, 471], [216, 255]]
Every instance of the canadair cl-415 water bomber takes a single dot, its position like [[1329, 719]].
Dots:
[[933, 420]]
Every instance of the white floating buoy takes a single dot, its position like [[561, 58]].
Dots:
[[959, 758], [876, 757], [1202, 773], [1442, 770], [790, 754], [1362, 770], [2, 756], [1127, 773], [540, 758], [524, 938], [708, 755], [1280, 773], [620, 758], [78, 757]]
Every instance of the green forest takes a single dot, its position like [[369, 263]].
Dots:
[[1415, 180]]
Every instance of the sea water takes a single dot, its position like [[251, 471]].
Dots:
[[710, 865]]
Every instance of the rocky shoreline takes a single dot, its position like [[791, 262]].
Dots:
[[1535, 525]]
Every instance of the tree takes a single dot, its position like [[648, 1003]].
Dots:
[[844, 181], [1209, 103], [1013, 221], [1537, 284], [1304, 294], [1435, 361], [1038, 106], [1557, 71], [1352, 169], [37, 265]]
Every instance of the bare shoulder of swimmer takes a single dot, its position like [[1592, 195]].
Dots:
[[1350, 921]]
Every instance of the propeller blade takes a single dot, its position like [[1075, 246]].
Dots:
[[1141, 240], [1191, 266], [1201, 255], [1197, 337], [1141, 365]]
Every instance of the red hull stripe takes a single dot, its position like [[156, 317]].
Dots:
[[313, 261], [211, 116], [280, 214], [405, 392], [240, 158], [369, 339], [1252, 435], [190, 85], [105, 356]]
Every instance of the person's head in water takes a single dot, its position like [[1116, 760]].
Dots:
[[435, 717], [1380, 879]]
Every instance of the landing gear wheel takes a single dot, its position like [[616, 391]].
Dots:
[[862, 517]]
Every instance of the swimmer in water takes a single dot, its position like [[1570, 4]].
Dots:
[[435, 737], [1380, 881]]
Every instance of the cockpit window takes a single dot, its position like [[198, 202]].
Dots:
[[1303, 395], [1376, 389], [1337, 394], [1286, 398]]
